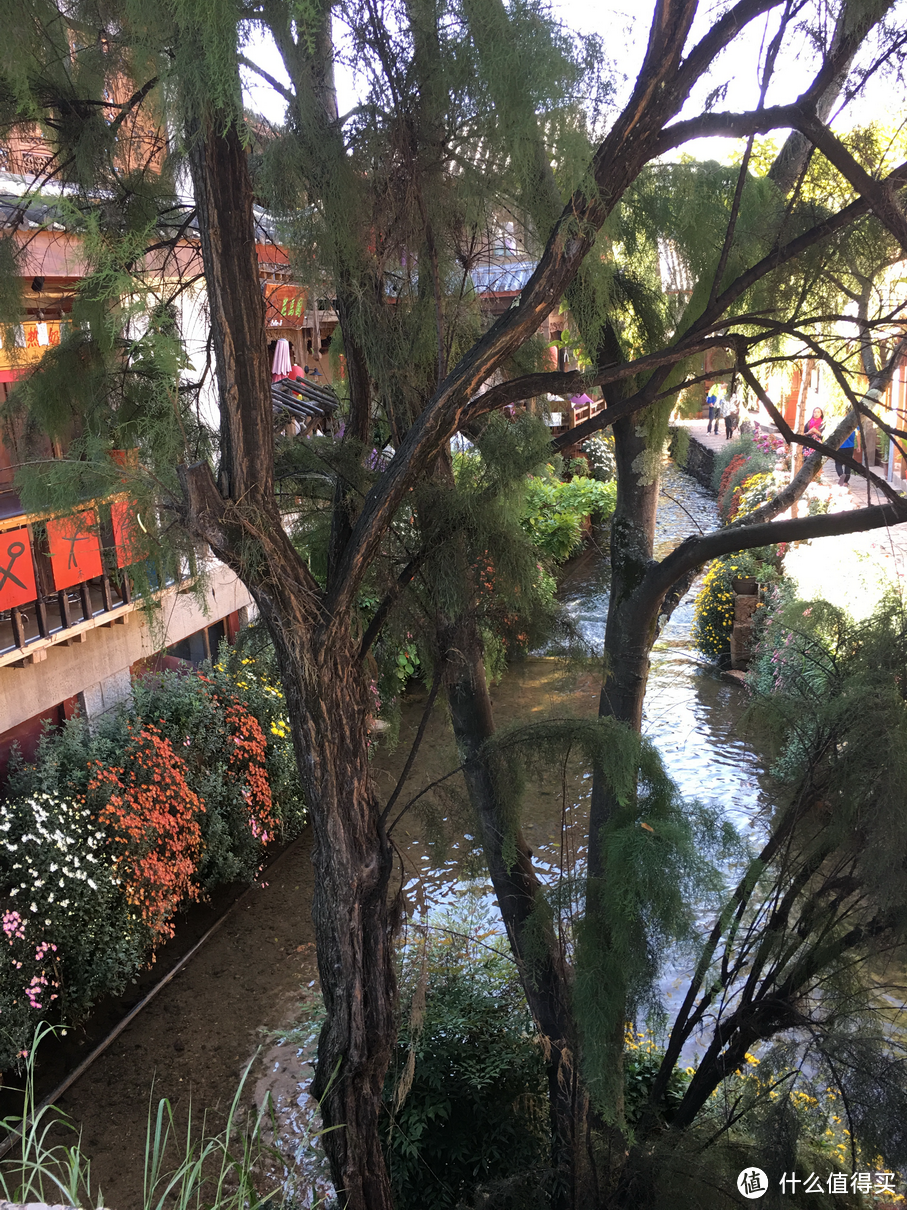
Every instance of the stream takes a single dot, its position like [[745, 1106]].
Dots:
[[192, 1043], [694, 717]]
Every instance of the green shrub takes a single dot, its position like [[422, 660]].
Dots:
[[743, 446], [757, 464], [754, 490], [600, 452], [476, 1110], [642, 1062], [680, 445], [713, 618], [555, 512], [206, 718], [69, 934]]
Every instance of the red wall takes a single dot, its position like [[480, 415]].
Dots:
[[27, 734]]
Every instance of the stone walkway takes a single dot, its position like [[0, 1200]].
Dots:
[[889, 543]]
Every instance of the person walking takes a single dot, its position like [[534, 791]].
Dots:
[[841, 470], [815, 426], [730, 411], [712, 401]]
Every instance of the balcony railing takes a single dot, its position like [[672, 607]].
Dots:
[[61, 617], [44, 600]]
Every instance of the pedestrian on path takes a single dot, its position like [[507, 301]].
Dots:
[[730, 410], [815, 426], [713, 399], [841, 470]]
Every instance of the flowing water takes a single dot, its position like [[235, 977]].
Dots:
[[694, 717], [191, 1043]]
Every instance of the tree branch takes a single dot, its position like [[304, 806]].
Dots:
[[136, 99], [285, 92], [695, 551], [880, 194], [528, 386], [381, 613]]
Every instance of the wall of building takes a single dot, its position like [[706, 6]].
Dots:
[[96, 670]]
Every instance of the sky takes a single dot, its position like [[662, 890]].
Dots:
[[624, 27]]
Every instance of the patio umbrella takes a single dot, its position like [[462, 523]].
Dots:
[[281, 365]]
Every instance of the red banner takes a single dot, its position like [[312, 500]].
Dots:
[[75, 552], [17, 570], [131, 542], [285, 306]]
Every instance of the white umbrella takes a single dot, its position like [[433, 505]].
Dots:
[[281, 364]]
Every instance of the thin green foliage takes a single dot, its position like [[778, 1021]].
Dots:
[[465, 1096], [658, 858], [217, 1170]]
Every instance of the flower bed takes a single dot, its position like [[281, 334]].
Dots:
[[111, 832]]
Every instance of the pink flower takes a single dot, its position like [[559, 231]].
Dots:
[[13, 926]]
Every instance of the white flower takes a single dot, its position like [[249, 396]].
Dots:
[[33, 907]]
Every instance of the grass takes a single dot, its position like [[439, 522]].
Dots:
[[191, 1168]]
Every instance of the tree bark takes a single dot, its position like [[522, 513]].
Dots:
[[629, 632], [325, 687]]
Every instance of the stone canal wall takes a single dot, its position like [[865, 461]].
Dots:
[[698, 460], [692, 456]]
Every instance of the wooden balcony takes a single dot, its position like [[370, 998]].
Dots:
[[566, 416], [64, 617], [54, 616]]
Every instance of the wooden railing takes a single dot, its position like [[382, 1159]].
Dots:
[[59, 616], [52, 614], [572, 414]]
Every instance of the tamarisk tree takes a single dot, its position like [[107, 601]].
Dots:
[[470, 111]]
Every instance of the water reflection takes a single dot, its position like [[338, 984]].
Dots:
[[691, 715]]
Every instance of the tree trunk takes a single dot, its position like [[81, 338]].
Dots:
[[326, 690], [628, 641], [540, 959], [629, 633], [354, 918]]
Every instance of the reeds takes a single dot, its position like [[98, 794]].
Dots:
[[185, 1168]]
